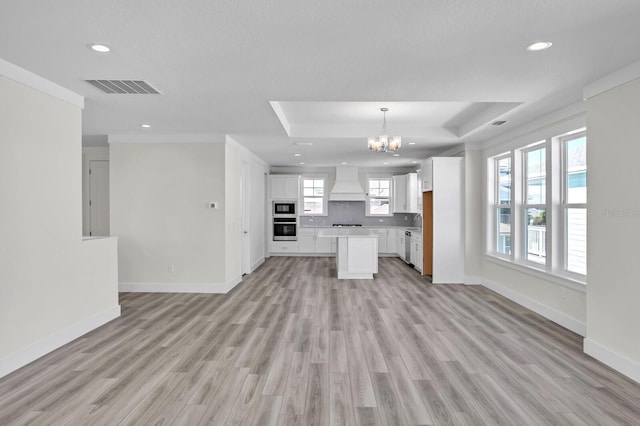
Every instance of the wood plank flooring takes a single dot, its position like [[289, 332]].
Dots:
[[292, 345]]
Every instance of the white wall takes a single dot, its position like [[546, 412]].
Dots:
[[54, 286], [169, 238], [613, 300]]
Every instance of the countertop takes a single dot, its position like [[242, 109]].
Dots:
[[351, 232]]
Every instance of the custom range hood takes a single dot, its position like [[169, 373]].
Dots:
[[347, 186]]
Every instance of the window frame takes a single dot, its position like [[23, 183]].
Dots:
[[496, 205], [565, 205], [525, 206], [556, 207], [369, 197], [325, 196]]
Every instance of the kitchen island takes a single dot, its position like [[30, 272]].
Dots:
[[356, 252]]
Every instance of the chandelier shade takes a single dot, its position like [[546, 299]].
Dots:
[[384, 143]]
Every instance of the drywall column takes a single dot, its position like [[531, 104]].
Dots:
[[613, 220], [54, 286]]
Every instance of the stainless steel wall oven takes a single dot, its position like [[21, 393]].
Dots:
[[285, 229]]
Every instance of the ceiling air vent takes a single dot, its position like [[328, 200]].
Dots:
[[124, 87], [498, 123]]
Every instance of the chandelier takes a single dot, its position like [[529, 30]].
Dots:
[[383, 143]]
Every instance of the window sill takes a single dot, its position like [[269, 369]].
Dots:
[[556, 279]]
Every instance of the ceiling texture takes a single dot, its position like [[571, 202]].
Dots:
[[277, 75]]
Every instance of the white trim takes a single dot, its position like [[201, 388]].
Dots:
[[277, 108], [256, 264], [44, 346], [29, 79], [556, 279], [560, 121], [558, 317], [186, 138], [151, 287], [615, 79], [620, 363]]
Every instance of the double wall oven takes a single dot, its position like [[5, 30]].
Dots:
[[285, 221]]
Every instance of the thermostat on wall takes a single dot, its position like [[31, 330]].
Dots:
[[213, 205]]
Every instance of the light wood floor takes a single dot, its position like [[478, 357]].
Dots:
[[293, 345]]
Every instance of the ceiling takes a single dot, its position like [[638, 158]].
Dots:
[[276, 74]]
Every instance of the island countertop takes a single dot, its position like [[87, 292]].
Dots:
[[346, 232]]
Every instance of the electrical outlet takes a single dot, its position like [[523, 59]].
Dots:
[[380, 220], [172, 268]]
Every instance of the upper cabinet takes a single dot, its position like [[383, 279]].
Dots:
[[426, 173], [284, 187], [405, 193]]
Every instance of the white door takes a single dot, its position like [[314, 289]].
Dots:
[[99, 198], [246, 219]]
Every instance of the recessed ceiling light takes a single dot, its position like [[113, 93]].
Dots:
[[301, 163], [302, 143], [396, 155], [539, 45], [386, 162], [101, 48], [343, 163], [146, 126], [414, 162], [412, 143], [297, 155]]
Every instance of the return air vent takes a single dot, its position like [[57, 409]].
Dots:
[[124, 87]]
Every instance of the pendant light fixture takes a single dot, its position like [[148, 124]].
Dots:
[[383, 143]]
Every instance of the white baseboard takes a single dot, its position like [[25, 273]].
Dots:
[[618, 362], [29, 354], [539, 308], [150, 287], [256, 264]]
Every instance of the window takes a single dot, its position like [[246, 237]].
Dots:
[[503, 206], [378, 196], [538, 204], [314, 196], [535, 207], [575, 203]]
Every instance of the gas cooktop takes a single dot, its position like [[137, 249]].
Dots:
[[346, 224]]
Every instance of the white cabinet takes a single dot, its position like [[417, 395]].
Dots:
[[309, 242], [306, 240], [426, 173], [405, 193], [284, 187], [443, 219], [283, 247], [392, 241], [382, 239]]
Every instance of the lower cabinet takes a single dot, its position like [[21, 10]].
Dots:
[[284, 247], [382, 240], [308, 242], [392, 241]]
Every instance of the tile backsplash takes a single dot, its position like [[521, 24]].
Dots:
[[352, 212]]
